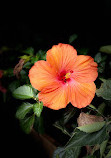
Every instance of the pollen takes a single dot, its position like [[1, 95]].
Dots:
[[67, 75]]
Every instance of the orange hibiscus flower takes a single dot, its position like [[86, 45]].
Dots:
[[64, 77]]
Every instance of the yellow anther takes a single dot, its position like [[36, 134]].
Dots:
[[67, 75]]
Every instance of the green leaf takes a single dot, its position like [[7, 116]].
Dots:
[[23, 110], [80, 138], [25, 57], [37, 108], [105, 90], [27, 124], [101, 108], [92, 127], [23, 92], [72, 38], [105, 49], [70, 153], [39, 124], [14, 85], [29, 51], [98, 57], [102, 148], [109, 154]]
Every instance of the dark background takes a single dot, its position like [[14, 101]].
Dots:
[[40, 27]]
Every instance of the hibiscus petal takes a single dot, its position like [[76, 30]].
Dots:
[[42, 75], [61, 56], [81, 94], [85, 69], [54, 98]]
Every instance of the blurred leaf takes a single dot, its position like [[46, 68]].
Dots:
[[90, 128], [29, 51], [98, 57], [41, 55], [34, 59], [101, 67], [37, 108], [109, 154], [102, 148], [105, 90], [23, 92], [25, 57], [72, 38], [90, 156], [83, 51], [23, 110], [92, 106], [105, 49], [27, 124], [14, 85], [27, 65], [101, 108]]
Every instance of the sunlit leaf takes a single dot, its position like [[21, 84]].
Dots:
[[23, 92], [90, 128]]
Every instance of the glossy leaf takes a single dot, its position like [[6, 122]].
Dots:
[[23, 92], [37, 108], [23, 110], [92, 127]]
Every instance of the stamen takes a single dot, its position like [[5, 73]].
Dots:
[[67, 75]]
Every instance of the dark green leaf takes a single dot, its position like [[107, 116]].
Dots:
[[39, 125], [70, 153], [105, 49], [98, 57], [29, 51], [109, 154], [14, 85], [101, 108], [82, 139], [102, 148], [27, 124], [37, 108], [72, 38], [23, 92], [105, 90], [23, 110]]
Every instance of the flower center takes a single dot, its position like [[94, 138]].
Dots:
[[65, 77]]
